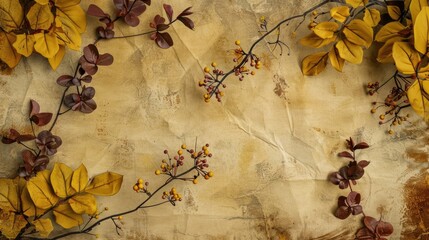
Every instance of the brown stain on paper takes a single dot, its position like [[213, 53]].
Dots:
[[415, 221], [419, 152]]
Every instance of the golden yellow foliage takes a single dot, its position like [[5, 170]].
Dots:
[[389, 31], [314, 41], [372, 17], [105, 184], [80, 178], [418, 97], [394, 12], [349, 51], [385, 52], [41, 191], [24, 44], [406, 58], [421, 31], [359, 33], [12, 18], [340, 13], [40, 17], [9, 195], [357, 3], [61, 177], [56, 60], [11, 223], [66, 217], [314, 64], [415, 8], [43, 226], [8, 54], [83, 203], [326, 29], [336, 61]]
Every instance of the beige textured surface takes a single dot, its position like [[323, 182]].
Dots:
[[274, 137]]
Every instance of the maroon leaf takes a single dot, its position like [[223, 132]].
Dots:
[[41, 119], [146, 2], [169, 11], [345, 154], [185, 12], [384, 228], [105, 33], [162, 27], [353, 198], [163, 40], [364, 234], [87, 78], [105, 59], [342, 212], [132, 20], [361, 145], [13, 135], [138, 8], [356, 210], [187, 22], [25, 138], [34, 107], [48, 143], [342, 201], [94, 10], [65, 80], [363, 163], [350, 144], [156, 21], [370, 223]]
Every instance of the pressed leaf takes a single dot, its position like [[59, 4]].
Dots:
[[106, 184], [415, 8], [61, 177], [357, 3], [384, 228], [28, 207], [350, 52], [8, 54], [406, 58], [83, 203], [345, 154], [11, 224], [66, 217], [340, 13], [314, 41], [389, 31], [80, 178], [41, 119], [43, 226], [421, 31], [34, 107], [336, 61], [169, 11], [69, 36], [326, 29], [385, 52], [418, 97], [46, 44], [163, 40], [9, 200], [394, 12], [342, 212], [314, 64], [187, 22], [361, 145], [11, 15], [363, 163], [41, 191], [372, 17], [24, 44], [72, 16], [66, 3], [40, 17], [56, 60], [359, 33]]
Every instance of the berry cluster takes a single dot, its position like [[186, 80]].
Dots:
[[172, 196], [141, 186]]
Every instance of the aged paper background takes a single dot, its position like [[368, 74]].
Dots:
[[274, 137]]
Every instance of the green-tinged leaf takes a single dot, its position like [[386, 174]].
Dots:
[[9, 200], [40, 17], [349, 51], [66, 217], [372, 17], [11, 224], [61, 178], [314, 41], [8, 54], [41, 191], [389, 31], [394, 12], [105, 184], [340, 13], [46, 44], [406, 58], [421, 31], [326, 29], [83, 203], [11, 15], [418, 95], [24, 44], [56, 60], [80, 178], [357, 3], [385, 52], [359, 33], [314, 64], [336, 61], [43, 226], [415, 8]]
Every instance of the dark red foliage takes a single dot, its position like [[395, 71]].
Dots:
[[348, 205], [91, 59], [15, 136], [83, 102], [32, 164], [40, 119], [130, 10], [48, 143], [374, 230]]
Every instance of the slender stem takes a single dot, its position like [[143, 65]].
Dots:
[[29, 148], [59, 109], [133, 35]]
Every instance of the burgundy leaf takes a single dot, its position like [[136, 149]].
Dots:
[[88, 106], [185, 12], [353, 198], [361, 145], [13, 135], [105, 59], [344, 184], [132, 20], [156, 21], [34, 107], [164, 40], [146, 2], [65, 80], [48, 143], [25, 138], [88, 93], [345, 154], [162, 27], [169, 11], [370, 223], [121, 5], [342, 212], [356, 210], [41, 119], [384, 229], [138, 8], [87, 78], [90, 53], [350, 144], [187, 22], [363, 163], [94, 10], [342, 201], [105, 33], [364, 234], [41, 160], [355, 171]]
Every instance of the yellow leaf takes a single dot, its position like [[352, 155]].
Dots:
[[314, 41], [72, 16], [394, 12], [41, 191], [24, 44], [66, 217], [385, 52], [349, 51], [418, 97], [389, 31], [11, 15], [357, 3], [11, 223], [43, 226], [66, 3], [372, 17], [71, 39], [326, 29], [8, 53], [406, 58], [9, 200], [56, 60], [80, 178], [28, 207], [84, 203], [106, 184], [336, 61], [42, 2], [421, 31], [359, 33], [314, 64], [46, 44], [415, 8], [61, 180], [340, 13], [40, 16]]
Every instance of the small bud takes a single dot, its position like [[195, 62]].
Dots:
[[237, 42]]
